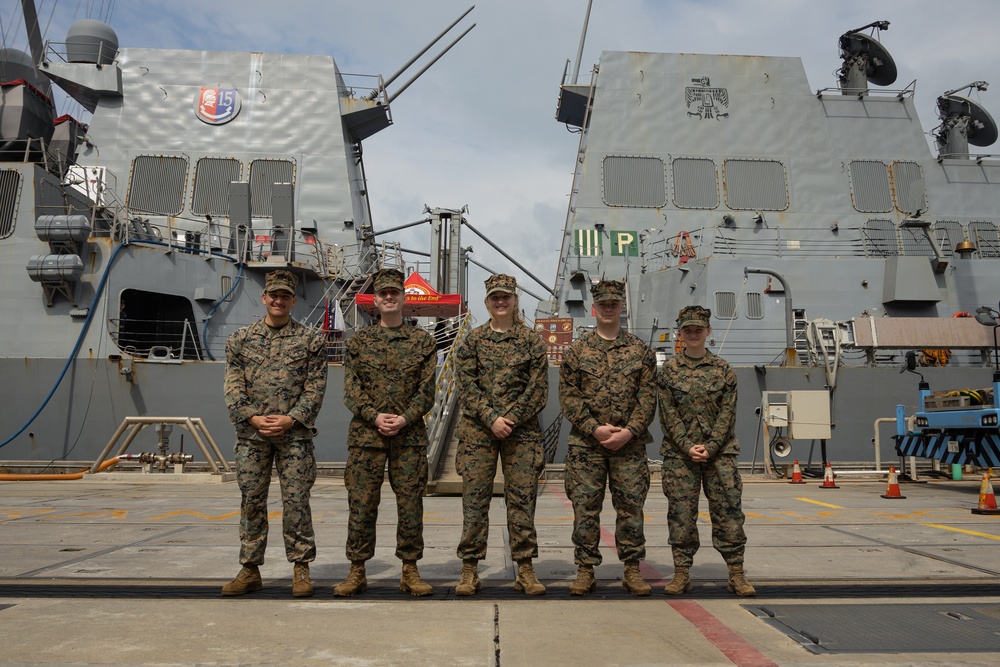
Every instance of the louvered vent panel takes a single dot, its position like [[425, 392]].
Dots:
[[696, 184], [870, 187], [948, 234], [755, 306], [634, 181], [984, 234], [10, 194], [212, 177], [263, 175], [880, 238], [755, 185], [157, 185], [909, 181], [725, 305]]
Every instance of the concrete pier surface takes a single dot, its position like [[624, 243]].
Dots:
[[126, 569]]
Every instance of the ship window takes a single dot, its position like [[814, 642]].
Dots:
[[151, 319], [263, 175], [10, 194], [948, 234], [212, 177], [870, 189], [880, 238], [984, 234], [755, 185], [725, 305], [157, 185], [696, 183], [634, 181], [755, 306], [909, 187]]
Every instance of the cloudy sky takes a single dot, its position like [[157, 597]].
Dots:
[[478, 129]]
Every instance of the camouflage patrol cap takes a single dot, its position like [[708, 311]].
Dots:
[[694, 316], [388, 278], [501, 282], [277, 280], [608, 290]]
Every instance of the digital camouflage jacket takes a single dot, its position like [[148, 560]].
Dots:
[[275, 372], [601, 384], [698, 405], [389, 370]]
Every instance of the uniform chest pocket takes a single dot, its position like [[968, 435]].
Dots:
[[593, 368], [519, 360], [409, 371], [504, 355], [632, 368], [253, 357], [692, 388], [370, 370]]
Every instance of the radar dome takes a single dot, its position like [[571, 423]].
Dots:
[[90, 41], [16, 64]]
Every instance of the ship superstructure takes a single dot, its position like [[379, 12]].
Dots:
[[816, 224], [132, 245]]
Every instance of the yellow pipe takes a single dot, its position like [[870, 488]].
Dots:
[[51, 477]]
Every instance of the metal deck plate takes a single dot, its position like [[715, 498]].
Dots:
[[887, 628]]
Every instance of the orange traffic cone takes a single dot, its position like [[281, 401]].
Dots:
[[892, 489], [987, 501], [796, 473], [828, 482]]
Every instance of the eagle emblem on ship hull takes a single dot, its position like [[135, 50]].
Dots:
[[707, 102]]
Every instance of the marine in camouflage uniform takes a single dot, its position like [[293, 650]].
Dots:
[[503, 373], [697, 396], [607, 391], [275, 382], [388, 376]]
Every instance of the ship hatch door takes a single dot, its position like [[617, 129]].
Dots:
[[149, 320]]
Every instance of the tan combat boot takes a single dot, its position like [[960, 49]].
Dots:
[[302, 586], [526, 580], [469, 584], [738, 583], [411, 582], [633, 581], [355, 582], [247, 581], [585, 582], [681, 583]]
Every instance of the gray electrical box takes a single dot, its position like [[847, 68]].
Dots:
[[774, 409], [806, 414]]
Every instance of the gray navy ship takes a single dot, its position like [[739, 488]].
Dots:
[[134, 244], [818, 225], [824, 234]]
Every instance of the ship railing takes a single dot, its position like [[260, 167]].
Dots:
[[899, 93], [36, 150], [350, 271], [442, 417], [765, 346], [58, 51], [978, 157], [157, 340], [363, 86], [198, 236]]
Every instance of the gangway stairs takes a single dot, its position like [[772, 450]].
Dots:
[[442, 426]]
